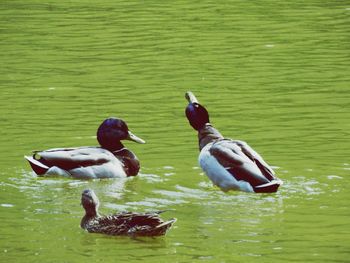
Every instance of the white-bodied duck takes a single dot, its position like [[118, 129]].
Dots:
[[112, 159], [121, 224], [229, 164]]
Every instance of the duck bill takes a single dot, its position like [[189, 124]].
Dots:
[[190, 97], [133, 137]]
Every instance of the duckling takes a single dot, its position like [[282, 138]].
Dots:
[[121, 224], [112, 159], [229, 164]]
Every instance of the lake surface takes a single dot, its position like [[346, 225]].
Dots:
[[273, 74]]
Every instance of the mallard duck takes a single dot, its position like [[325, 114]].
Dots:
[[112, 159], [121, 224], [229, 164]]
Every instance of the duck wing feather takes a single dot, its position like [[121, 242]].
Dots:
[[70, 158], [242, 161], [256, 157], [127, 223]]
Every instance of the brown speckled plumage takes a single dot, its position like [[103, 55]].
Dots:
[[121, 224]]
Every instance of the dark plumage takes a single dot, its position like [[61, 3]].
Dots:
[[112, 159], [230, 164], [121, 224]]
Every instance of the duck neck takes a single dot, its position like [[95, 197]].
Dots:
[[208, 134], [116, 146], [89, 214], [91, 208]]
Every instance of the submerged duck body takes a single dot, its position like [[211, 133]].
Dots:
[[229, 164], [121, 224], [112, 159]]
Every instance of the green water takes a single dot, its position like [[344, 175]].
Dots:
[[275, 74]]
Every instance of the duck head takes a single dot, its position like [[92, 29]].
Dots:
[[196, 114], [90, 202], [198, 117], [112, 131]]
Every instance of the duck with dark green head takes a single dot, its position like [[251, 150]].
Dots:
[[121, 224], [109, 160], [229, 164]]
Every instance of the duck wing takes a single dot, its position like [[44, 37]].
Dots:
[[70, 158], [128, 223], [241, 161], [256, 157]]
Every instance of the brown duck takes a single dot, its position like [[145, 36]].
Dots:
[[121, 224]]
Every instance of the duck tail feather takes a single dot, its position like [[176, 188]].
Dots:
[[269, 187], [38, 167], [167, 223], [160, 211]]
